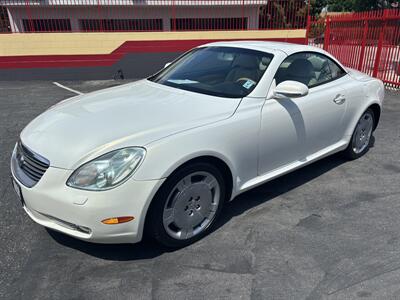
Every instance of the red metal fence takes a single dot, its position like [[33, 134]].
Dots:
[[368, 41], [150, 15]]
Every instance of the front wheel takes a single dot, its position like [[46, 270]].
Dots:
[[361, 139], [187, 205]]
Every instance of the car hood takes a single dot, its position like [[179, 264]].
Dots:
[[83, 127]]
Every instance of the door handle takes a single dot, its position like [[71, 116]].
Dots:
[[339, 99]]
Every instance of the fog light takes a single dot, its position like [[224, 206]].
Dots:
[[117, 220]]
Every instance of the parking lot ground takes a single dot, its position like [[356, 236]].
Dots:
[[328, 231]]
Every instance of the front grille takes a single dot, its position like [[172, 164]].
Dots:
[[28, 166]]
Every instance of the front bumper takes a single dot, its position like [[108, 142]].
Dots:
[[79, 213]]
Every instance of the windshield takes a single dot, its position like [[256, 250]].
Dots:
[[218, 71]]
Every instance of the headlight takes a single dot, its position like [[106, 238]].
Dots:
[[108, 170]]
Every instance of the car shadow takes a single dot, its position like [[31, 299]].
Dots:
[[277, 187], [250, 199]]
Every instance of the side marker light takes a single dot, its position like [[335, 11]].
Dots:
[[117, 220]]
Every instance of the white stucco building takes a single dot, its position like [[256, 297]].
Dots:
[[132, 15]]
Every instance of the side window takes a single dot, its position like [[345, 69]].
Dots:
[[336, 70], [309, 68]]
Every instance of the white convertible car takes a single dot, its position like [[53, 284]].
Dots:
[[160, 156]]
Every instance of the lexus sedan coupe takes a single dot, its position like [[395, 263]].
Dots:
[[159, 157]]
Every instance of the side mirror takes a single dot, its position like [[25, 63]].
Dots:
[[290, 89], [167, 64]]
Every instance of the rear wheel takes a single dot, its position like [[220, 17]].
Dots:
[[187, 205], [361, 139]]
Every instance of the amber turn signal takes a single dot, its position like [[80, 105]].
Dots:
[[117, 220]]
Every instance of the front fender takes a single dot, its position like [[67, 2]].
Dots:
[[234, 141]]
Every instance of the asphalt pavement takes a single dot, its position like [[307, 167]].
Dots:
[[328, 231]]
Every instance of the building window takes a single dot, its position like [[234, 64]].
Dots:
[[209, 24], [42, 25], [121, 24]]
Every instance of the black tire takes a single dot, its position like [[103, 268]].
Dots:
[[154, 227], [350, 152]]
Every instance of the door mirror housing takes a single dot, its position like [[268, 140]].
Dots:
[[167, 64], [290, 89]]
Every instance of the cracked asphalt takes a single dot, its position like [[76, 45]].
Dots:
[[328, 231]]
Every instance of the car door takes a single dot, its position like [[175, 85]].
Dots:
[[294, 128]]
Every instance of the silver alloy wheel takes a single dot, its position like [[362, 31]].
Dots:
[[191, 206], [363, 132]]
